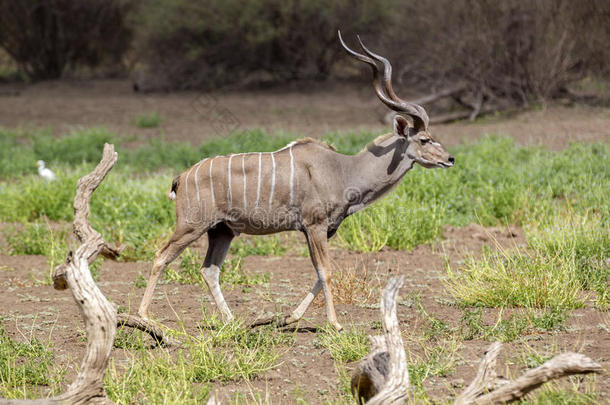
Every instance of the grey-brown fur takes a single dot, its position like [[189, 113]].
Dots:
[[306, 187]]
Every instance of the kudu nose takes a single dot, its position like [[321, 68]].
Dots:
[[451, 159]]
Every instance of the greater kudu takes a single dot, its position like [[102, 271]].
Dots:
[[305, 186]]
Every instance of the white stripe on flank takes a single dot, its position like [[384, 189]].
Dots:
[[212, 184], [258, 186], [197, 181], [229, 192], [291, 175], [272, 180], [243, 173], [186, 190]]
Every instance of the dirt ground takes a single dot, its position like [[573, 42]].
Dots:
[[30, 309], [311, 111]]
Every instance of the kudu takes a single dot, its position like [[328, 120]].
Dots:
[[305, 186]]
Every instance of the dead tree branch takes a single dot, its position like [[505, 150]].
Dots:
[[98, 313], [486, 377], [382, 377], [562, 365]]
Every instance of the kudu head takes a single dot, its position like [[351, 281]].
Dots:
[[422, 148]]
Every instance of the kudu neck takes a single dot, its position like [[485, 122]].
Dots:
[[376, 170]]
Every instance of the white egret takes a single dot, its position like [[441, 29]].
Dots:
[[45, 172]]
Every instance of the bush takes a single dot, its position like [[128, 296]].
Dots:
[[209, 43], [46, 36], [509, 52]]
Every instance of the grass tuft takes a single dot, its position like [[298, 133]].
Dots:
[[24, 365], [345, 346]]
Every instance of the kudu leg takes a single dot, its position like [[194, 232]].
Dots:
[[318, 249], [300, 310], [164, 256], [219, 240]]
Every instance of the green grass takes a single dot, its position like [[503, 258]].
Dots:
[[566, 261], [510, 328], [38, 238], [222, 353], [148, 120], [25, 365], [438, 359], [345, 346], [553, 394], [266, 245]]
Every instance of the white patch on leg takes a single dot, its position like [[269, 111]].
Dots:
[[300, 310], [211, 277]]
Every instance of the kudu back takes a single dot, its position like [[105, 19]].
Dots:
[[306, 186]]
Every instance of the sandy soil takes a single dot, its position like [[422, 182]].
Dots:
[[33, 310], [314, 111]]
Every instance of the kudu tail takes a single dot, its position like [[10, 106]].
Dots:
[[172, 191]]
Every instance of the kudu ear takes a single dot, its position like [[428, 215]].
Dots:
[[401, 126]]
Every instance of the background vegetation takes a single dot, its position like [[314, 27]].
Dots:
[[507, 53]]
